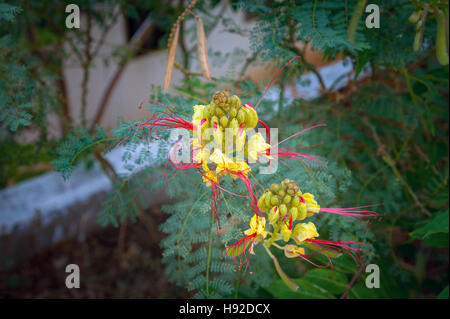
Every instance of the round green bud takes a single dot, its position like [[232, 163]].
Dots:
[[261, 203], [291, 191], [214, 119], [267, 200], [275, 188], [233, 112], [287, 199], [235, 101], [241, 116], [274, 200], [273, 214], [234, 125], [251, 117], [224, 121], [295, 201], [281, 193], [283, 209], [207, 111], [221, 97], [219, 112]]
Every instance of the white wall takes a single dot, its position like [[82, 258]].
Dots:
[[141, 72]]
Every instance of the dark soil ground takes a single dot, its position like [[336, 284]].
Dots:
[[114, 263]]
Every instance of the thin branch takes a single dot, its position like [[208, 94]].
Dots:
[[86, 64], [246, 65], [391, 162], [141, 35], [352, 282], [310, 67]]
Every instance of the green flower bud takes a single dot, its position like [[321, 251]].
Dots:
[[287, 199], [274, 214], [274, 200], [283, 209], [261, 203], [214, 119], [206, 111], [233, 112], [224, 121], [294, 212], [268, 198], [235, 101], [251, 117], [275, 188], [295, 201], [221, 97], [284, 184], [234, 125], [241, 116], [281, 193], [219, 112]]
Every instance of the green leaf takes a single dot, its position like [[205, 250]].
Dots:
[[360, 291], [306, 290], [437, 224], [443, 294], [363, 59], [332, 281], [437, 240]]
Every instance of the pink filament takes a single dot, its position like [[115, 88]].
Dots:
[[356, 213], [289, 62]]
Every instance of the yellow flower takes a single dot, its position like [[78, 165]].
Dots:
[[225, 165], [198, 113], [311, 205], [303, 231], [285, 232], [292, 251], [257, 146], [209, 177], [257, 226]]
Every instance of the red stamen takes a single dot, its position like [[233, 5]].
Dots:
[[242, 257], [289, 62], [356, 213]]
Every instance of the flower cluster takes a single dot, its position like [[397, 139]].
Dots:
[[224, 143], [286, 208]]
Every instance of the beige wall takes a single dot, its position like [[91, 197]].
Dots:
[[141, 73]]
